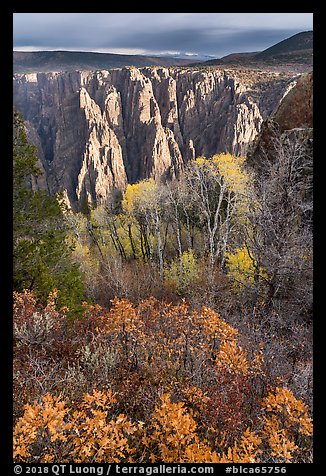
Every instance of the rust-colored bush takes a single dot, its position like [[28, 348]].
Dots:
[[144, 383]]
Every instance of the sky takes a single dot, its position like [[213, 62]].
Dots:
[[211, 34]]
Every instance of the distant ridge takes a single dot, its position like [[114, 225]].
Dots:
[[296, 49], [48, 61], [299, 42], [234, 58]]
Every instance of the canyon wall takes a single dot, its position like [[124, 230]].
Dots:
[[96, 131], [291, 124]]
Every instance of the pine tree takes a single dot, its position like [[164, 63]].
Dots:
[[42, 257]]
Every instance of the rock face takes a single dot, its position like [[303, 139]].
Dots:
[[101, 130], [296, 108], [292, 121]]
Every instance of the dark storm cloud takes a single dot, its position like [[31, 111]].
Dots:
[[54, 29], [204, 33], [256, 40], [185, 39], [212, 41]]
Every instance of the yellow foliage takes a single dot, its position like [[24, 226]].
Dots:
[[139, 196], [182, 271], [242, 267], [229, 168], [232, 171]]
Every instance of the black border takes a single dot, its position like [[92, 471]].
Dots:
[[6, 215], [6, 354]]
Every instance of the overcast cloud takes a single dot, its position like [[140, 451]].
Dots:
[[215, 34]]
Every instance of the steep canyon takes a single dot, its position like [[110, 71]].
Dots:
[[96, 131]]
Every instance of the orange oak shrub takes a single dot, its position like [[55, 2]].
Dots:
[[51, 431], [153, 382], [286, 424]]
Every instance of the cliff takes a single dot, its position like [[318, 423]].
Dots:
[[100, 130], [291, 121]]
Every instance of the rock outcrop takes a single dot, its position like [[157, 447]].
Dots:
[[291, 122], [101, 130]]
